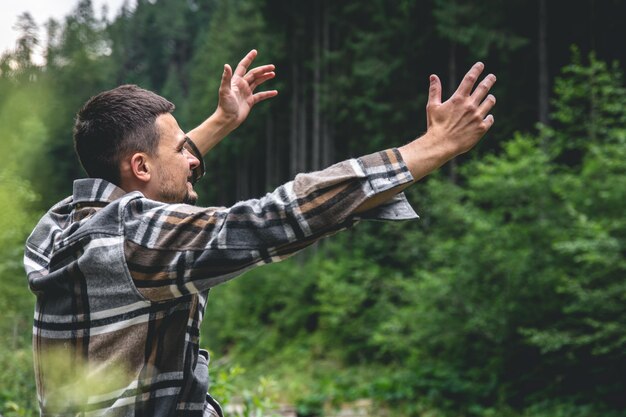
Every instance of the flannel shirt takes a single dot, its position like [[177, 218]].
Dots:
[[122, 281]]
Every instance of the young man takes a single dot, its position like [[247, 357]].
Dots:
[[123, 267]]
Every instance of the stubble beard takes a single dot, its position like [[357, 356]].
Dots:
[[189, 198], [170, 194], [167, 196]]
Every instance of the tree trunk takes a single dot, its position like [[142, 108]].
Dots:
[[272, 155], [293, 131], [302, 156], [451, 88], [543, 65], [315, 134], [328, 146]]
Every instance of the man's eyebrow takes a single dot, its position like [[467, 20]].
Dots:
[[181, 142]]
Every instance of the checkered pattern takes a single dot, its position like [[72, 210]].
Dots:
[[122, 281]]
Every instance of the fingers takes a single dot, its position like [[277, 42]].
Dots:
[[488, 122], [261, 79], [465, 88], [243, 65], [227, 75], [259, 75], [434, 91], [480, 97], [258, 71], [486, 106], [264, 95], [255, 76], [483, 88]]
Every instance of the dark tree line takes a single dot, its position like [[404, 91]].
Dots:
[[352, 76]]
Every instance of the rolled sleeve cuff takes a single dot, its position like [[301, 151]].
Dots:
[[385, 170]]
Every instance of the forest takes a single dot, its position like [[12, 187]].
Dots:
[[506, 298]]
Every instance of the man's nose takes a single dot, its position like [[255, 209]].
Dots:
[[193, 161]]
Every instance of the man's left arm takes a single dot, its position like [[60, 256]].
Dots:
[[236, 99]]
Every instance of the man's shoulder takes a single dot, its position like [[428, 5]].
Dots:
[[55, 219], [93, 207]]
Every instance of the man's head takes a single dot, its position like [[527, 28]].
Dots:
[[127, 136]]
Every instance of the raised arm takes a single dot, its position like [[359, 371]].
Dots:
[[454, 127], [236, 99]]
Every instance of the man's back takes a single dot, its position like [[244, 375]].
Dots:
[[100, 343]]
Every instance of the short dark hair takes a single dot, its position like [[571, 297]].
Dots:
[[114, 124]]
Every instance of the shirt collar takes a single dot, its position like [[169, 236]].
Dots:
[[89, 190]]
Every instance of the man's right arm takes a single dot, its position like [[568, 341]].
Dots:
[[175, 249]]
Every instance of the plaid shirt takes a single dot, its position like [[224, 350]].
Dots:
[[122, 281]]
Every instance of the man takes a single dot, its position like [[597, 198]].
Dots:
[[123, 267]]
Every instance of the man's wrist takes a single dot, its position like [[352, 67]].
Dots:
[[223, 123], [223, 118], [439, 145], [215, 128], [425, 154]]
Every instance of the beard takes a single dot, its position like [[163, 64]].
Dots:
[[190, 199], [171, 193], [167, 196]]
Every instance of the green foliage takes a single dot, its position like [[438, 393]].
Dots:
[[237, 27], [589, 108], [17, 384], [22, 131], [479, 28], [590, 249], [260, 401]]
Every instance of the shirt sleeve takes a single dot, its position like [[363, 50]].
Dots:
[[175, 249]]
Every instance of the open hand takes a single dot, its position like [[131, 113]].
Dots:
[[459, 123], [236, 93], [454, 126]]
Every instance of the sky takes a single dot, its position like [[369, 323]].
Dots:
[[42, 10]]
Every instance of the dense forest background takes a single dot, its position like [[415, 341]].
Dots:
[[507, 298]]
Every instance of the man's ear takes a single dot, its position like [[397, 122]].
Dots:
[[141, 167]]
